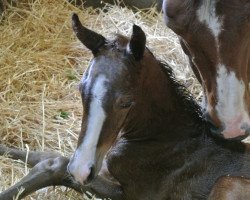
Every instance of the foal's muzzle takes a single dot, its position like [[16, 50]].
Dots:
[[79, 178]]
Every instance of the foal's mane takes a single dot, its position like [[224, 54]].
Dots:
[[183, 94]]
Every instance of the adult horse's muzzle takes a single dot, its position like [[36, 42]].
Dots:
[[218, 131]]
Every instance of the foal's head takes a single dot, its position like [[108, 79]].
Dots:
[[108, 89]]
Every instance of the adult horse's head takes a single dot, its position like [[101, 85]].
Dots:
[[215, 34], [107, 91]]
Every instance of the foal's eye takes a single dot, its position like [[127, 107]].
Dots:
[[125, 105], [124, 102]]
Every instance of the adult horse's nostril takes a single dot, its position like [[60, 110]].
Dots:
[[208, 118], [217, 132], [247, 132], [245, 127], [213, 127]]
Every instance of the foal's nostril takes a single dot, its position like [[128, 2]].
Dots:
[[92, 174], [68, 170]]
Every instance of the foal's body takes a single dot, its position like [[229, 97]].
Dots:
[[174, 170], [172, 156]]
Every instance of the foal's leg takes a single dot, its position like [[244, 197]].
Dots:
[[32, 157], [106, 189], [46, 173], [52, 171], [112, 187], [231, 188]]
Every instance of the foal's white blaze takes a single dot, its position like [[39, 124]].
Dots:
[[231, 107], [84, 155], [206, 14], [86, 79]]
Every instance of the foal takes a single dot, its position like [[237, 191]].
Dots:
[[165, 150]]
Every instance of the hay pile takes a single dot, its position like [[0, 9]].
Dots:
[[41, 63]]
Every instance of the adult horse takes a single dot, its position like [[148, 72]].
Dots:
[[164, 149], [215, 34]]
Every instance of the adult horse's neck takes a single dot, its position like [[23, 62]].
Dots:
[[163, 106]]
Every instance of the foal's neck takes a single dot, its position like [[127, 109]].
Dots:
[[165, 108]]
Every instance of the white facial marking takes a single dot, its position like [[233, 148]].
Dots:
[[230, 106], [85, 154], [86, 79], [128, 48], [206, 14], [96, 117]]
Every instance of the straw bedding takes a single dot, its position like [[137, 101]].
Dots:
[[41, 63]]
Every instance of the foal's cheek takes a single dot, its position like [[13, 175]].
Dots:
[[122, 116], [117, 123], [83, 129]]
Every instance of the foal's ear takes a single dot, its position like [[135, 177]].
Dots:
[[90, 39], [137, 42]]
